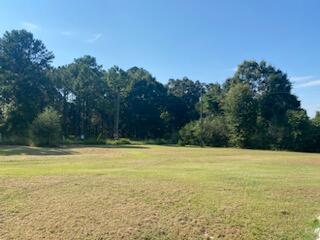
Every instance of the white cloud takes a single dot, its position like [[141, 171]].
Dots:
[[305, 81], [67, 33], [94, 38], [30, 26], [301, 78], [313, 83]]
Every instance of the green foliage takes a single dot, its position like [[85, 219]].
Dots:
[[117, 79], [212, 100], [189, 134], [213, 131], [71, 140], [300, 130], [188, 92], [272, 90], [120, 141], [46, 129], [157, 141], [24, 86], [88, 89], [255, 108], [315, 130], [15, 140], [241, 114], [144, 110], [316, 120]]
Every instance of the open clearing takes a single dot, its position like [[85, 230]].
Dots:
[[157, 192]]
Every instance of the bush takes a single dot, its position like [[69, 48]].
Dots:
[[93, 141], [15, 140], [46, 129], [121, 141], [74, 140], [156, 141], [214, 132], [189, 135]]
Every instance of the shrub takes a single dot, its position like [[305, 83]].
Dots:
[[46, 129], [70, 140], [188, 134], [214, 132], [93, 141], [121, 141], [156, 141], [15, 140]]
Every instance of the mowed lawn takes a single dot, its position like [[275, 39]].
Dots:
[[157, 192]]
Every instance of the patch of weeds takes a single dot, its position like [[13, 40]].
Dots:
[[316, 223], [310, 233]]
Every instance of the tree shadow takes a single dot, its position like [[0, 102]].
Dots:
[[109, 146], [6, 150]]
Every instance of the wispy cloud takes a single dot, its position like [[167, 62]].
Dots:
[[94, 38], [305, 81], [312, 83], [66, 33], [301, 78], [30, 26]]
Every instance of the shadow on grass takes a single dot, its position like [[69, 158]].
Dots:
[[6, 150], [9, 150], [109, 146]]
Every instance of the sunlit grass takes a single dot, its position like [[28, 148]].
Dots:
[[157, 192]]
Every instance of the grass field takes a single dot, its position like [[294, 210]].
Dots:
[[157, 192]]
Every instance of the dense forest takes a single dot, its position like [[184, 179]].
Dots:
[[82, 101]]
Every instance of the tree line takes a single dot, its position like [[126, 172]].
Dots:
[[255, 108]]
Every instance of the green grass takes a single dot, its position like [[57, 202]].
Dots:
[[157, 192]]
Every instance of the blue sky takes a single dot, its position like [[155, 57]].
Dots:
[[202, 39]]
